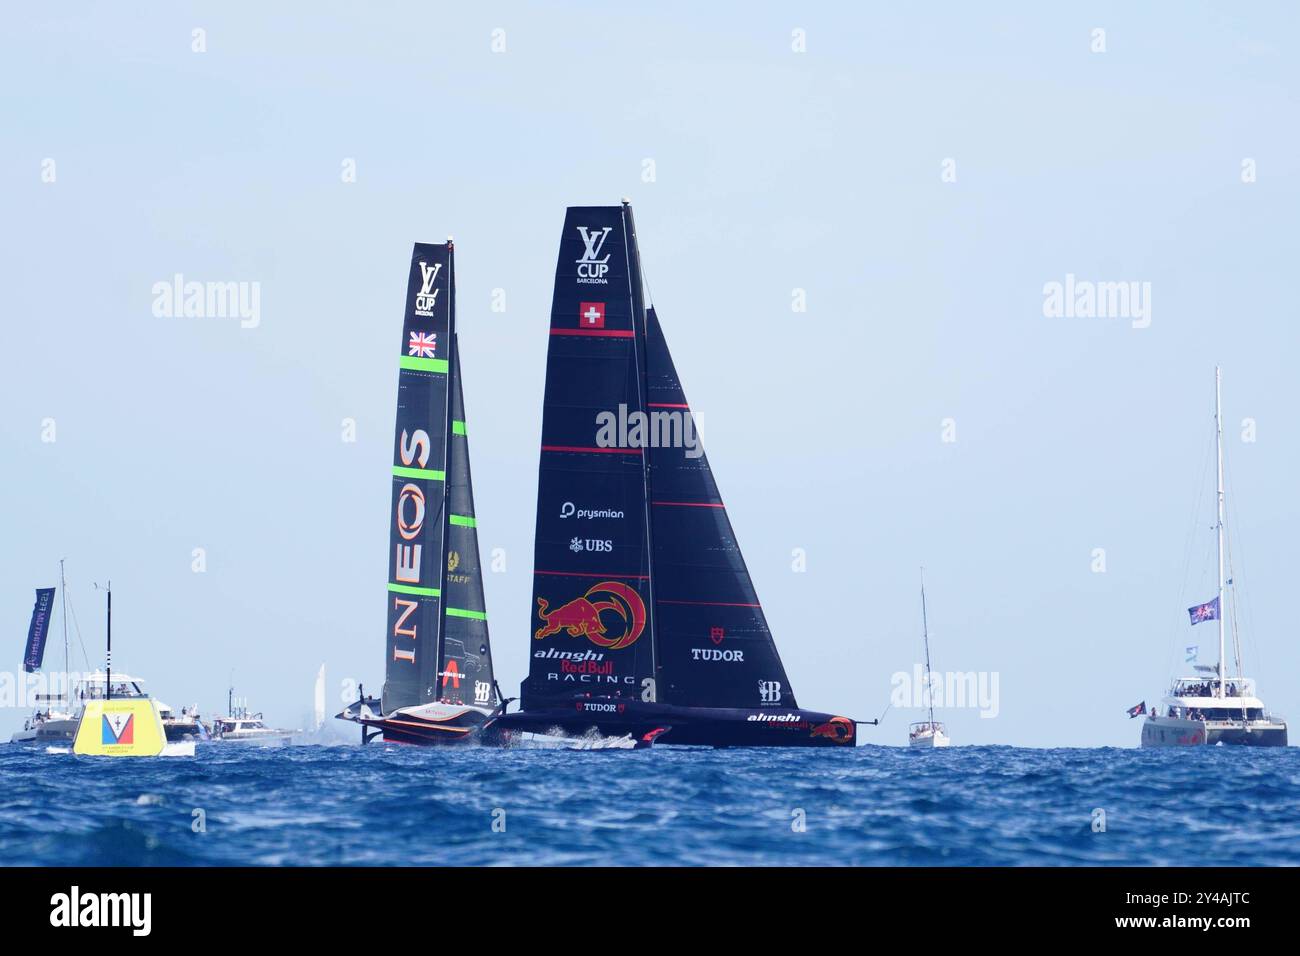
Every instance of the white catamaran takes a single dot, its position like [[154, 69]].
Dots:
[[54, 721], [927, 733], [1212, 708]]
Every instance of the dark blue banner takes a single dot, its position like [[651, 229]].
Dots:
[[39, 628]]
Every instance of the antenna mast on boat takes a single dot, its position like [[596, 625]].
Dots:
[[108, 656], [925, 631], [1218, 451]]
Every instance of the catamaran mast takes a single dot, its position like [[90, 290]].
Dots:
[[925, 631], [63, 586], [1218, 450]]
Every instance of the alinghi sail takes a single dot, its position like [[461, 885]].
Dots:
[[438, 685], [644, 618]]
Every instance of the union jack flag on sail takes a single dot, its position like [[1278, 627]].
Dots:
[[423, 344]]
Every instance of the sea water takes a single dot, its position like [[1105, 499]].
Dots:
[[395, 805]]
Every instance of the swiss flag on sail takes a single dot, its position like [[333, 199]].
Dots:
[[591, 315]]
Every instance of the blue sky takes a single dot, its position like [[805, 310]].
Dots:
[[774, 171]]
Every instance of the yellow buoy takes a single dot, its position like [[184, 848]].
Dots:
[[131, 727]]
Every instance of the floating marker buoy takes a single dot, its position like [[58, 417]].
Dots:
[[130, 727]]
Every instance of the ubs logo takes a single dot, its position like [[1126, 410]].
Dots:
[[591, 268], [427, 297]]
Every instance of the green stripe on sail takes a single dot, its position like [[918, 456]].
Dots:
[[458, 428], [463, 521], [461, 612], [417, 364], [430, 473], [411, 589]]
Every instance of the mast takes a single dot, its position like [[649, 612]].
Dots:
[[63, 585], [925, 631], [108, 658], [445, 517], [640, 349], [1218, 451]]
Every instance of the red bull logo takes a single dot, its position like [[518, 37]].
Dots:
[[611, 615], [838, 729]]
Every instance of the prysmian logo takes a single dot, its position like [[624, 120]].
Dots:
[[427, 298], [624, 429], [570, 510], [75, 908], [591, 268], [179, 299], [1084, 299]]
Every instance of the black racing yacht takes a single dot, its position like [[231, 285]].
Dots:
[[644, 620], [439, 687]]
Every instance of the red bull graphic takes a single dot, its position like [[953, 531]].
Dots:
[[610, 615], [839, 729]]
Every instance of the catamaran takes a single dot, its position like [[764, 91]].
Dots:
[[438, 686], [1210, 707], [644, 622], [55, 722], [927, 733]]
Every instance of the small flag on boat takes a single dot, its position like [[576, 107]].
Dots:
[[591, 315], [1209, 611], [1192, 651], [1138, 710]]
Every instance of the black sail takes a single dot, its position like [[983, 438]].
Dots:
[[465, 674], [714, 647], [591, 623], [420, 461]]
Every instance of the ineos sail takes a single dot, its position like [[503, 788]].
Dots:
[[438, 685], [644, 618]]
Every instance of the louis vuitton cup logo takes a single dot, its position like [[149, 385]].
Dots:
[[592, 269], [427, 298], [769, 691]]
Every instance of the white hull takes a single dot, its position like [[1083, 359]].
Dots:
[[1186, 732], [928, 741], [272, 739]]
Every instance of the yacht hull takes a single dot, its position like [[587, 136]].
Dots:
[[49, 732], [426, 725], [928, 741], [1175, 732], [688, 726]]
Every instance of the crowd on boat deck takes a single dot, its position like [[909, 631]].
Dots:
[[1207, 688]]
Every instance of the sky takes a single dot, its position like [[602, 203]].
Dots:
[[915, 177]]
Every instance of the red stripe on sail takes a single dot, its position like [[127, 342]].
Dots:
[[705, 603], [689, 504], [665, 405], [609, 333], [588, 574], [607, 451]]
